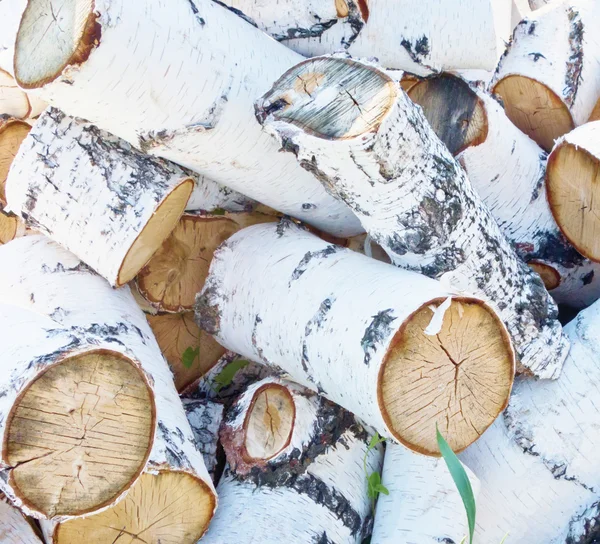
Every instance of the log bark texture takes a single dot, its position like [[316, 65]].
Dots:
[[56, 311], [14, 526], [549, 77], [507, 169], [312, 490], [208, 127], [366, 141], [360, 332], [538, 466], [96, 195], [418, 37], [423, 505]]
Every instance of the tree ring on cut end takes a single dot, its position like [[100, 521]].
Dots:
[[80, 433], [459, 378], [170, 506]]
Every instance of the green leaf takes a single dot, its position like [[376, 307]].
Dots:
[[461, 480], [218, 211], [375, 440], [504, 539], [189, 356], [382, 489], [225, 377]]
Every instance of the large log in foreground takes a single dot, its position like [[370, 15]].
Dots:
[[194, 95], [402, 34], [89, 410], [539, 467], [358, 331], [508, 171], [549, 77], [296, 472], [362, 137]]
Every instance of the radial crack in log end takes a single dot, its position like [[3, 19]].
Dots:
[[12, 134], [80, 434], [534, 109], [344, 104], [177, 271], [176, 333], [572, 182], [453, 110], [66, 33], [169, 506], [459, 378]]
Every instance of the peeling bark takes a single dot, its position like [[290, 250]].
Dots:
[[366, 141]]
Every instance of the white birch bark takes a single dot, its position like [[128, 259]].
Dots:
[[208, 127], [410, 194], [14, 527], [54, 306], [537, 4], [339, 326], [538, 468], [508, 171], [94, 194], [559, 47], [205, 418], [10, 17], [520, 10], [419, 37], [314, 490], [423, 505]]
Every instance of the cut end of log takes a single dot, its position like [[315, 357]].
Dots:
[[453, 109], [269, 422], [176, 333], [459, 378], [80, 434], [550, 276], [534, 109], [13, 100], [573, 188], [9, 227], [166, 507], [53, 35], [331, 98], [12, 134], [155, 232]]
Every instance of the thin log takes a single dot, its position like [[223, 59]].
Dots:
[[295, 472], [388, 363], [15, 528], [90, 417], [207, 127], [507, 169], [402, 34], [423, 505], [538, 470], [549, 79], [363, 138]]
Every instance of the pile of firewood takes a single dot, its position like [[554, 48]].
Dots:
[[254, 253]]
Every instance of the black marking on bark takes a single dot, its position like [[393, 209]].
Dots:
[[255, 344], [308, 206], [376, 333], [314, 324], [536, 56], [261, 113], [575, 62], [238, 12], [543, 158], [173, 452], [588, 278], [309, 256], [551, 248], [531, 28], [285, 223], [196, 13], [61, 268], [315, 31], [584, 528], [418, 50], [207, 312], [322, 539]]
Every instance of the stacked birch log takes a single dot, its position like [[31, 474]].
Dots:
[[242, 240]]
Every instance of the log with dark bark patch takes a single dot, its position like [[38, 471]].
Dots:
[[353, 127], [394, 347], [296, 471]]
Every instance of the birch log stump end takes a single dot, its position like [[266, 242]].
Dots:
[[12, 134]]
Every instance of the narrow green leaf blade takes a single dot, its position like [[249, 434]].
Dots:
[[225, 377], [189, 356], [461, 480]]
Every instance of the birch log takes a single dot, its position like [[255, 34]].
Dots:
[[95, 195], [362, 137], [16, 102], [572, 187], [88, 404], [549, 78], [507, 169], [194, 93], [520, 10], [296, 470], [12, 133], [423, 505], [419, 37], [358, 331], [15, 528], [538, 468]]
